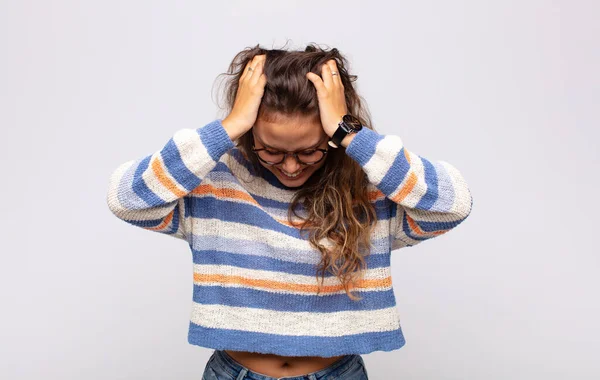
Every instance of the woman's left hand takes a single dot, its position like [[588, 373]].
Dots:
[[330, 93]]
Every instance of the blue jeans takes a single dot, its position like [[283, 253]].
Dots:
[[221, 366]]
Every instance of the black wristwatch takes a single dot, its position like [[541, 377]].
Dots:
[[349, 124]]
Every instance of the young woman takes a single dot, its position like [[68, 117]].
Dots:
[[291, 206]]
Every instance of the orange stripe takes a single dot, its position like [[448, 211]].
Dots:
[[406, 188], [407, 156], [164, 223], [414, 226], [228, 193], [223, 192], [418, 231], [164, 179], [375, 195], [279, 285], [241, 195], [287, 223], [409, 185], [403, 193]]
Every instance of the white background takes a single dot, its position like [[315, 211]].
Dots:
[[506, 91]]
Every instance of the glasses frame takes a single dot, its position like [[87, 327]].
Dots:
[[286, 153]]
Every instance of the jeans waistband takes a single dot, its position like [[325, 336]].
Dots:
[[228, 362]]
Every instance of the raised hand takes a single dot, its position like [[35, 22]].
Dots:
[[330, 93], [248, 97]]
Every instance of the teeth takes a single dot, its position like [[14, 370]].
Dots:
[[293, 175]]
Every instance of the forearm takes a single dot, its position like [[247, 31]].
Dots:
[[233, 129], [346, 141], [147, 191], [433, 194]]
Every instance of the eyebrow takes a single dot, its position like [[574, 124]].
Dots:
[[310, 147]]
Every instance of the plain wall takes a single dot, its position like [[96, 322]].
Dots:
[[506, 91]]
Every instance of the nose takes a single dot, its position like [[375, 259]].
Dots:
[[290, 164]]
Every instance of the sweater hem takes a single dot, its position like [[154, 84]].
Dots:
[[285, 345]]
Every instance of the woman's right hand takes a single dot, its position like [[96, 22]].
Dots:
[[247, 100]]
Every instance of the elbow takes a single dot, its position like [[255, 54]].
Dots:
[[466, 206], [113, 192]]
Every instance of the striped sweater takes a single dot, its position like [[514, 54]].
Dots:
[[254, 278]]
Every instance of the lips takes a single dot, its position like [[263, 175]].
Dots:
[[300, 173]]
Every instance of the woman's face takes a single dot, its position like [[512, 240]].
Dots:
[[293, 134]]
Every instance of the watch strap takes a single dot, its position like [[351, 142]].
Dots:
[[338, 135], [345, 127]]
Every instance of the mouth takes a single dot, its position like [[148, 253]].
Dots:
[[295, 175]]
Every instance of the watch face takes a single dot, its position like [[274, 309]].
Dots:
[[352, 122]]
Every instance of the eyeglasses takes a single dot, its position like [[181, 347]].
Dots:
[[305, 157]]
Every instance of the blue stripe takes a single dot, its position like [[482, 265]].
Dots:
[[428, 227], [144, 223], [225, 210], [156, 222], [407, 230], [363, 145], [215, 139], [395, 174], [175, 220], [236, 153], [446, 194], [125, 193], [140, 188], [431, 195], [381, 205], [221, 167], [294, 345], [188, 202], [208, 207], [260, 262], [438, 226], [240, 296], [176, 167]]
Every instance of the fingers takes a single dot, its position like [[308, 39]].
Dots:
[[254, 67], [258, 79], [326, 72], [333, 68], [259, 63], [317, 82], [246, 70], [326, 82]]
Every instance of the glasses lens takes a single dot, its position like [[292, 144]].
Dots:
[[310, 156], [306, 157], [270, 157]]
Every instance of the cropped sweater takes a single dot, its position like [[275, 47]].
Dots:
[[254, 274]]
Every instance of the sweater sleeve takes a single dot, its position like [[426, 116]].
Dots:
[[429, 198], [150, 192]]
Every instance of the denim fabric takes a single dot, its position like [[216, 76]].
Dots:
[[221, 366]]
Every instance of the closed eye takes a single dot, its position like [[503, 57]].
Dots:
[[311, 151]]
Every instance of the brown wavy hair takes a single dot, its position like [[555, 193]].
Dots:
[[335, 196]]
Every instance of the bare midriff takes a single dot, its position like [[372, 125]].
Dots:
[[281, 366]]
